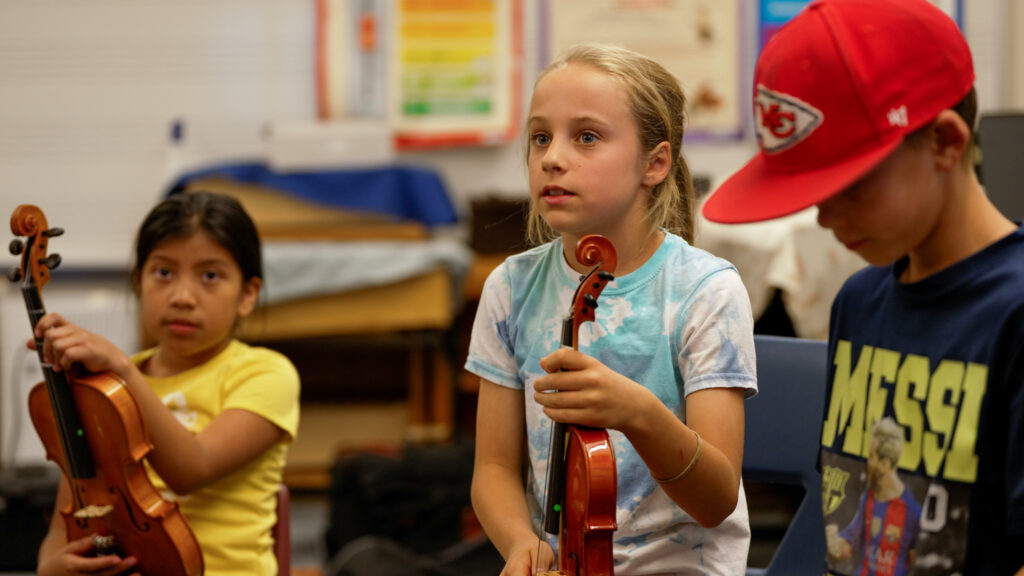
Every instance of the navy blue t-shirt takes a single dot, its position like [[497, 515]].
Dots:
[[942, 358]]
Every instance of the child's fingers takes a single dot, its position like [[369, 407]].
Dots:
[[67, 345], [106, 565], [565, 359], [76, 562], [47, 322], [83, 544]]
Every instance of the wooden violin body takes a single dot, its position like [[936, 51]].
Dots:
[[120, 503], [583, 479], [591, 488], [92, 429]]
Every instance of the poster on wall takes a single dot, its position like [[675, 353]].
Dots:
[[697, 40], [439, 72], [774, 13]]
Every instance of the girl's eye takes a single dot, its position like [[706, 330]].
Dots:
[[162, 272], [588, 138], [210, 275], [540, 139]]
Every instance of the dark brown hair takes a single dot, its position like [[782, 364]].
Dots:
[[220, 216]]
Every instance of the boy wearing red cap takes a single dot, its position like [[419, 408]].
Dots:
[[865, 109]]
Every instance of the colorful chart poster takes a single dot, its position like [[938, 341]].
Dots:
[[440, 72], [451, 80]]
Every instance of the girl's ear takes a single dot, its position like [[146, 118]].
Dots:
[[951, 137], [659, 162], [250, 294]]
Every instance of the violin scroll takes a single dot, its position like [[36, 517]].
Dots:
[[592, 250], [599, 252], [29, 221]]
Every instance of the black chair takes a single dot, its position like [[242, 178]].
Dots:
[[1001, 140], [783, 435]]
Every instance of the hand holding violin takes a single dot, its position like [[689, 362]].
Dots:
[[522, 560], [73, 558], [590, 393], [65, 344]]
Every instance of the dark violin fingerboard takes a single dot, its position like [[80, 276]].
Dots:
[[69, 425]]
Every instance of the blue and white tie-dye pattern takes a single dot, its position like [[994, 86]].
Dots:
[[680, 323]]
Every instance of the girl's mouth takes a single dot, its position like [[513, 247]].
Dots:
[[180, 327], [555, 195]]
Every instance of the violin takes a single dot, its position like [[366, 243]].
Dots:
[[92, 429], [582, 483]]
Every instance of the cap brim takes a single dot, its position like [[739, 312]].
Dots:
[[756, 192]]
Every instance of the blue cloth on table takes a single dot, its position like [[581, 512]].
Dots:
[[402, 191], [300, 269]]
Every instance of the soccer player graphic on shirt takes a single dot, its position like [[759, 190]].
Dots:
[[888, 516]]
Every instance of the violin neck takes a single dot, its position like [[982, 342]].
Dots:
[[556, 479], [556, 456], [69, 425]]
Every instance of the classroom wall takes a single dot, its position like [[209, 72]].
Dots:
[[88, 92]]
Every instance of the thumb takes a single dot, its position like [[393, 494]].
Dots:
[[83, 544]]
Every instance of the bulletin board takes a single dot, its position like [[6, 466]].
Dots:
[[440, 72], [700, 41]]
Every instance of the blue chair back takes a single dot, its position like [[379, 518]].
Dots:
[[782, 439]]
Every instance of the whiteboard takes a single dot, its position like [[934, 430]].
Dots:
[[89, 92]]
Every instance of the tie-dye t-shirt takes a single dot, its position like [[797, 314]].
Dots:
[[679, 324]]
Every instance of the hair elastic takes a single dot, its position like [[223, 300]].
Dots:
[[693, 462]]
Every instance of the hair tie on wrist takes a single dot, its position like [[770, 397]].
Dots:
[[693, 462]]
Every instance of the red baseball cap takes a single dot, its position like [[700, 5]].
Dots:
[[835, 91]]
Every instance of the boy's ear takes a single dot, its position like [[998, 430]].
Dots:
[[659, 162], [951, 138], [250, 294]]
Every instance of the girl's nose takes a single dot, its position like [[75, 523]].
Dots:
[[183, 294], [553, 159]]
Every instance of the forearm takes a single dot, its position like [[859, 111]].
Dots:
[[56, 535], [709, 491], [178, 456], [499, 501], [50, 546]]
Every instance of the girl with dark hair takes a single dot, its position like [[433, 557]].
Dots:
[[219, 413]]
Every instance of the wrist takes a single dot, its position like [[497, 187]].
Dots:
[[124, 368], [646, 419]]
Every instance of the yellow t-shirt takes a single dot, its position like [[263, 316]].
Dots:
[[232, 518]]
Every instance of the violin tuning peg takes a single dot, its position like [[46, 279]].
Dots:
[[14, 274], [606, 275], [590, 301], [52, 232], [52, 261], [16, 246]]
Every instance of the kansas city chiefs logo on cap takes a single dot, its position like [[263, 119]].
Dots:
[[782, 120]]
